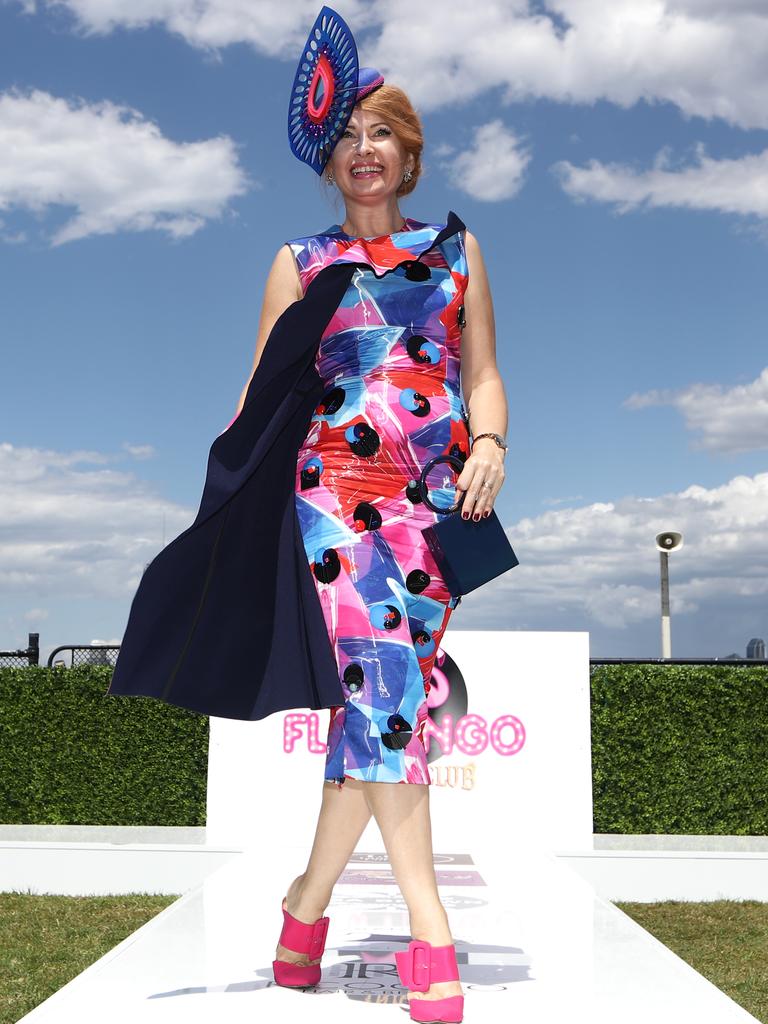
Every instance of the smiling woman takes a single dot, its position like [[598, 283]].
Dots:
[[306, 579], [376, 161], [390, 361]]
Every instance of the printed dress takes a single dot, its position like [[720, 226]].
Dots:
[[390, 362]]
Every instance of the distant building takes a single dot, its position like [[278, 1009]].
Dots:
[[756, 648]]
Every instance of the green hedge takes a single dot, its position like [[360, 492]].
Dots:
[[675, 749], [680, 749], [70, 754]]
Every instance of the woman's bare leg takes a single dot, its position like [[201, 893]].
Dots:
[[344, 813], [402, 814]]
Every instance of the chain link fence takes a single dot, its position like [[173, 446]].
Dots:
[[73, 656], [22, 658]]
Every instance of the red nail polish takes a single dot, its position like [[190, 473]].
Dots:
[[486, 514]]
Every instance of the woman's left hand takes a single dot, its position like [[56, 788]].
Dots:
[[484, 466]]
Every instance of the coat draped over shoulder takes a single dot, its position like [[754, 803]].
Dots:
[[226, 620]]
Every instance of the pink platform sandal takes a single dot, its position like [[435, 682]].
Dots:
[[420, 965], [301, 938]]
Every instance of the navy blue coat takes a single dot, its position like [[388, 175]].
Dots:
[[226, 620]]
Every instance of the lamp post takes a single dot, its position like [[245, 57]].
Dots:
[[666, 542]]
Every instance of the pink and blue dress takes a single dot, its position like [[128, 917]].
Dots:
[[389, 359]]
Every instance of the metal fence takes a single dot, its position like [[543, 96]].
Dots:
[[84, 654], [678, 661], [75, 655], [22, 658]]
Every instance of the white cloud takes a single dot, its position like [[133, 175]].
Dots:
[[738, 185], [718, 8], [73, 527], [580, 51], [705, 56], [140, 451], [271, 28], [728, 419], [112, 165], [561, 501], [491, 167], [598, 564]]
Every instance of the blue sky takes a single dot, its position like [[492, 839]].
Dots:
[[611, 160]]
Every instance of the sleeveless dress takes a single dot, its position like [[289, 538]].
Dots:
[[389, 359]]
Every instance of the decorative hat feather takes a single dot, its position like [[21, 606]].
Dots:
[[327, 85]]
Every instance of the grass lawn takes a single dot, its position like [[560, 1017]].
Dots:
[[46, 940], [725, 940]]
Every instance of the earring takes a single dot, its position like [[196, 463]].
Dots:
[[329, 176], [408, 175]]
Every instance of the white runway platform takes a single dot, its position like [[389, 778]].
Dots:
[[535, 945]]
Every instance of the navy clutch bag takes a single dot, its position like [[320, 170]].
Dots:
[[468, 553]]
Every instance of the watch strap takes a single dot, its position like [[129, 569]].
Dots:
[[496, 437]]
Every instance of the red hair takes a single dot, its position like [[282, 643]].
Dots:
[[393, 106]]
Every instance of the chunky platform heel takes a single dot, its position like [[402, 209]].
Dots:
[[420, 965], [301, 938]]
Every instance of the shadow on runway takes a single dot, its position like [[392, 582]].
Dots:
[[366, 971]]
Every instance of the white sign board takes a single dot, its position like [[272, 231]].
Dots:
[[508, 743]]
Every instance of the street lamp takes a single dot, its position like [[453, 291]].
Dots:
[[666, 542]]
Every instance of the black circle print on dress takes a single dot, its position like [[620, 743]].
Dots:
[[422, 350], [385, 616], [328, 566], [415, 270], [311, 472], [331, 402], [413, 492], [417, 581], [362, 439], [399, 735], [421, 637], [354, 677], [393, 618], [459, 451], [415, 402], [366, 517]]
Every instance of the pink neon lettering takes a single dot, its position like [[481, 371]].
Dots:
[[443, 734], [519, 735], [466, 743], [313, 740], [470, 734], [291, 731]]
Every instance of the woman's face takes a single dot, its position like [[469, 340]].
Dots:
[[368, 141]]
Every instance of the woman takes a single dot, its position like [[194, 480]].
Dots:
[[305, 580], [389, 359]]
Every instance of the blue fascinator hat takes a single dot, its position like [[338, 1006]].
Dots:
[[327, 85]]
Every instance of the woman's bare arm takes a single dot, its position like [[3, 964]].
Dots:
[[282, 288], [482, 386]]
